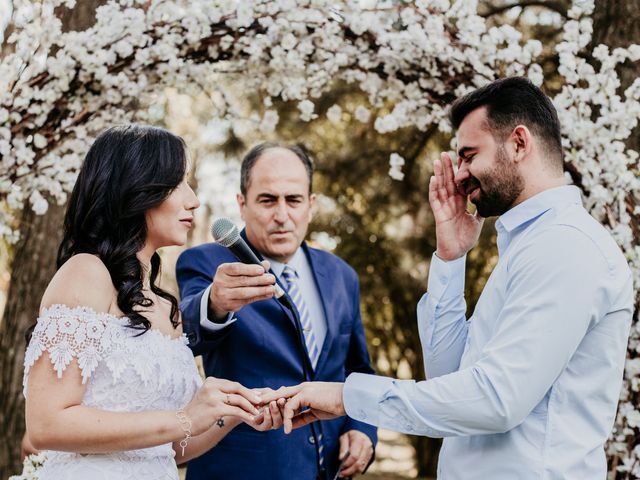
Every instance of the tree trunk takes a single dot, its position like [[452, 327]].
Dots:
[[32, 267], [427, 451], [617, 24]]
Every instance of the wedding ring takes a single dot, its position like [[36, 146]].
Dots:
[[228, 400]]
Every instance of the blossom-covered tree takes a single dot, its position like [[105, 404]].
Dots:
[[408, 59]]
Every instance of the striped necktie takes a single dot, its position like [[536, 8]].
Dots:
[[291, 276]]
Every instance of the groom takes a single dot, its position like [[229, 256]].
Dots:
[[528, 386]]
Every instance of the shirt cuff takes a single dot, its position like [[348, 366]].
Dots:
[[383, 402], [446, 279], [204, 320], [361, 396]]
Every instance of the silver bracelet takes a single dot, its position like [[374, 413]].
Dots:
[[185, 424]]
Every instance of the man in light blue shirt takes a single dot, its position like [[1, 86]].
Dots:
[[526, 388]]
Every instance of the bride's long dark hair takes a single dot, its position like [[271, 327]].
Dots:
[[127, 171]]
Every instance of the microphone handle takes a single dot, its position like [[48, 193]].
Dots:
[[242, 251]]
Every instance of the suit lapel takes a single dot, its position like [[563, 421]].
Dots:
[[325, 288]]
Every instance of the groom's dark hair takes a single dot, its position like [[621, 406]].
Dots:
[[511, 102]]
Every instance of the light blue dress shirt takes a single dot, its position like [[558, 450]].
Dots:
[[526, 388], [308, 290]]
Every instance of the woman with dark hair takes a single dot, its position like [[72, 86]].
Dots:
[[112, 390]]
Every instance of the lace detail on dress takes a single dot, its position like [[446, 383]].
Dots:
[[90, 337], [68, 333], [123, 372]]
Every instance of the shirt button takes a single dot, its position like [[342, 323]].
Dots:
[[362, 414], [443, 279], [409, 427], [311, 439]]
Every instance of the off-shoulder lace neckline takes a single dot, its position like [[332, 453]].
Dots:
[[124, 320]]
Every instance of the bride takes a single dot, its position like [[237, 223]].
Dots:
[[112, 391]]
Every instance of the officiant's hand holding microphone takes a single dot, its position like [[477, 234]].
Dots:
[[237, 284]]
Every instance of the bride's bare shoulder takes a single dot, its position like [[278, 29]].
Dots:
[[83, 280]]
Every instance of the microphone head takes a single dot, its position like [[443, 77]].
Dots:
[[224, 231]]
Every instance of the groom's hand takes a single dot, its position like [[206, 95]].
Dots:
[[270, 417], [457, 230], [322, 400]]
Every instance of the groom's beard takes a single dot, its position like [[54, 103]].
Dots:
[[499, 188]]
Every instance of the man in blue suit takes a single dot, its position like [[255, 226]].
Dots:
[[245, 335]]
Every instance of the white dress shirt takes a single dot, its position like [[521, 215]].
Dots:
[[526, 388]]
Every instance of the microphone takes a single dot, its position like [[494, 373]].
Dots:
[[226, 233]]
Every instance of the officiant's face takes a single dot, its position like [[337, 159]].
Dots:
[[277, 205]]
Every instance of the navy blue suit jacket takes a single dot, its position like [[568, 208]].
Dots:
[[260, 350]]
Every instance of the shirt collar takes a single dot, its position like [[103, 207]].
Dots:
[[537, 205], [296, 263]]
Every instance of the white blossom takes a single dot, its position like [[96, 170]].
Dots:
[[396, 162], [39, 141], [269, 121], [306, 108], [633, 419], [362, 114], [38, 203], [535, 74], [30, 467], [334, 114]]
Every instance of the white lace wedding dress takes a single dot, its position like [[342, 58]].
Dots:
[[123, 373]]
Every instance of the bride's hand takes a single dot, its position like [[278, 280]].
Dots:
[[218, 398], [270, 417]]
